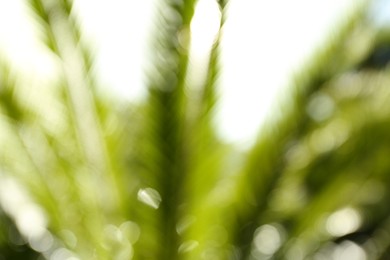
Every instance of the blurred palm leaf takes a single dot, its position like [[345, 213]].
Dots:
[[89, 177]]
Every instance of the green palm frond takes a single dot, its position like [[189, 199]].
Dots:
[[175, 138], [110, 179], [266, 161]]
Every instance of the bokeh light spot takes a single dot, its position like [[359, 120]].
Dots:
[[267, 239], [150, 197], [188, 246], [343, 221], [349, 250]]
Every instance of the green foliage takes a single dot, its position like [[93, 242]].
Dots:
[[86, 176]]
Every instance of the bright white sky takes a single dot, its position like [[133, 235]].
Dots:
[[264, 41]]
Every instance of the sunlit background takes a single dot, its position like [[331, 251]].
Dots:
[[264, 42]]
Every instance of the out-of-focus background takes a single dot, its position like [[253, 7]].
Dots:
[[184, 129], [255, 39]]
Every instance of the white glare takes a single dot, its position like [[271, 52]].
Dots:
[[264, 42], [150, 197], [62, 254], [343, 222], [204, 29], [204, 25], [349, 250], [30, 219], [12, 196], [42, 243]]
